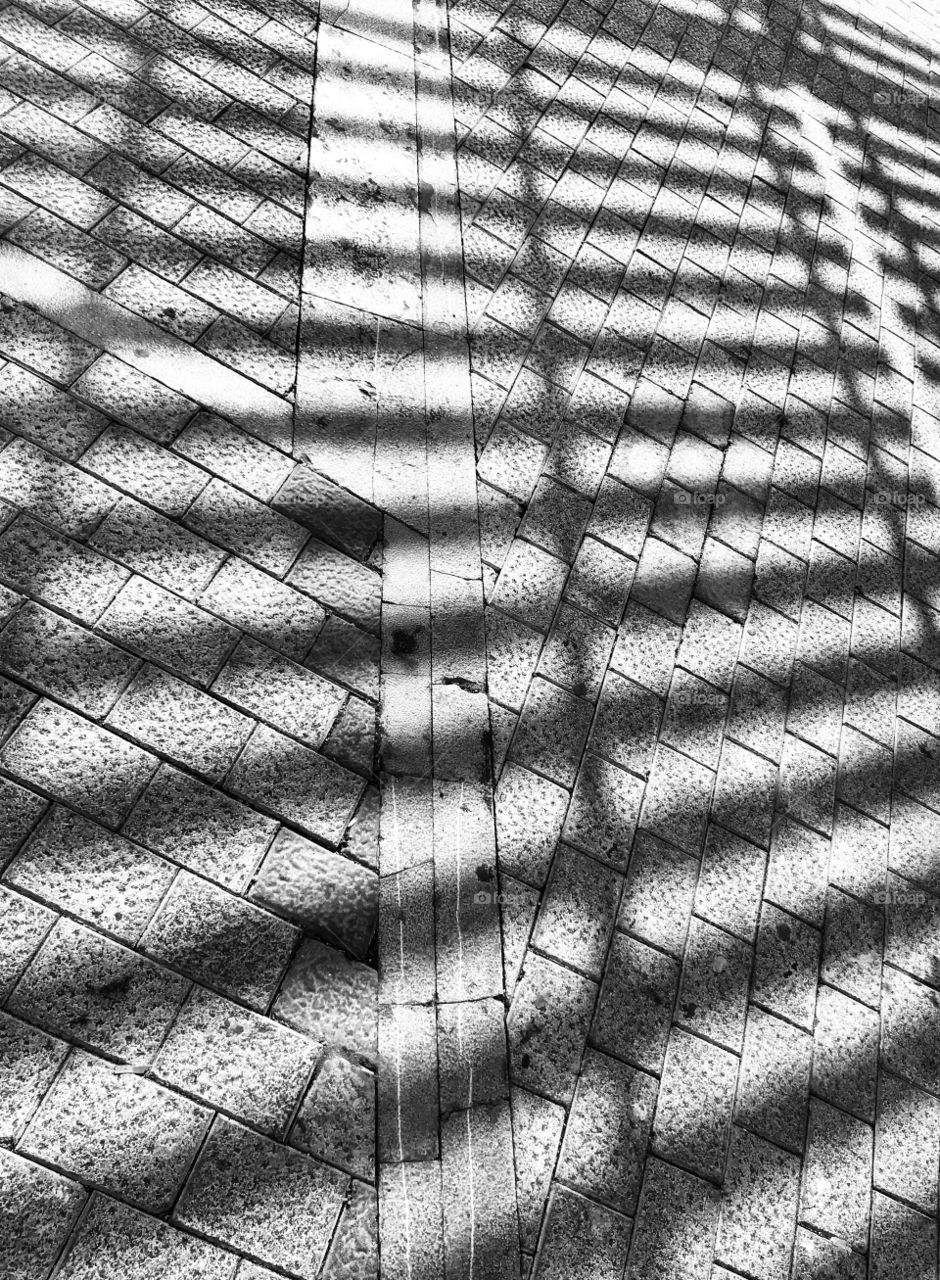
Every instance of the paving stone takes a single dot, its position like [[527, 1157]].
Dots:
[[627, 723], [42, 1208], [117, 1131], [577, 652], [345, 653], [264, 1199], [408, 1096], [471, 1054], [646, 648], [664, 580], [774, 1079], [142, 468], [330, 998], [603, 810], [274, 689], [530, 584], [547, 1027], [846, 1053], [769, 643], [551, 732], [600, 580], [42, 413], [576, 917], [710, 643], [693, 1114], [676, 800], [339, 583], [537, 1126], [607, 1131], [200, 827], [279, 774], [410, 1208], [60, 572], [68, 499], [220, 940], [327, 894], [529, 814], [657, 900], [819, 1258], [264, 607], [677, 1220], [75, 865], [112, 1235], [713, 993], [406, 935], [853, 944], [158, 549], [635, 1006], [910, 1044], [786, 966], [152, 622], [905, 1136], [893, 1223], [353, 1252], [29, 1061], [20, 810], [180, 722], [581, 1239], [90, 989], [480, 1139], [23, 926], [744, 793], [730, 883], [758, 1210], [64, 660], [15, 702], [837, 1178], [797, 871], [236, 1060], [95, 771]]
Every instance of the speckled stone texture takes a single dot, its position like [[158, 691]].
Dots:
[[331, 999], [41, 1207], [114, 1238], [117, 1130], [220, 940], [263, 1199], [236, 1060], [336, 1121], [329, 895]]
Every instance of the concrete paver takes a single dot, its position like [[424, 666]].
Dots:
[[468, 639]]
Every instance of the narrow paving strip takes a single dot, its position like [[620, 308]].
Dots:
[[701, 244], [189, 670]]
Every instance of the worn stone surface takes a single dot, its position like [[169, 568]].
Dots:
[[117, 1131], [289, 1225]]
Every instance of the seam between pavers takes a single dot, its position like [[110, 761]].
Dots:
[[150, 350], [436, 545]]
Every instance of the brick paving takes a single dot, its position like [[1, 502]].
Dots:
[[469, 709]]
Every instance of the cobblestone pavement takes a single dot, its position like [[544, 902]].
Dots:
[[613, 953]]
